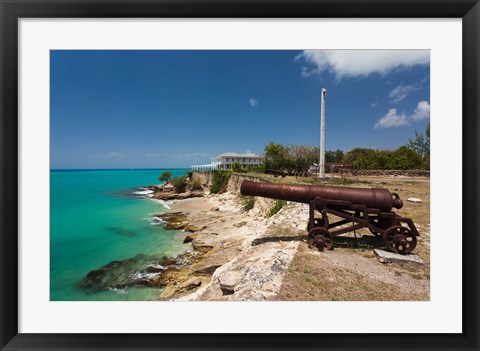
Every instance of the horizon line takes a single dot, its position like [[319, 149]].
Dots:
[[114, 169]]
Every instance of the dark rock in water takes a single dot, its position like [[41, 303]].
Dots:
[[173, 220], [160, 195], [175, 225], [95, 277], [121, 231], [140, 270], [154, 269]]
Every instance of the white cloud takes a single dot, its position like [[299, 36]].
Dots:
[[373, 105], [422, 111], [354, 63], [392, 119], [253, 102], [115, 154], [400, 92]]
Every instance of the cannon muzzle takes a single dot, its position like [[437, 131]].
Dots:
[[381, 199]]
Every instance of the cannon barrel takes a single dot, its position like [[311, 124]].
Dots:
[[381, 199]]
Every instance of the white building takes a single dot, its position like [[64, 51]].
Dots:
[[226, 160]]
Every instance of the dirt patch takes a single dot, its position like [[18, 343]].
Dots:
[[340, 275]]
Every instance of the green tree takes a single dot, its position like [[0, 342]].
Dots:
[[302, 157], [277, 157], [180, 184], [421, 145], [362, 158], [334, 156], [165, 176], [402, 158]]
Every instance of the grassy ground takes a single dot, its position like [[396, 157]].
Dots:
[[351, 272]]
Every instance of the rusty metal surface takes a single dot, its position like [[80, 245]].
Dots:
[[363, 208], [381, 199]]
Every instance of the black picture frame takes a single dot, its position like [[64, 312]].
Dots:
[[11, 11]]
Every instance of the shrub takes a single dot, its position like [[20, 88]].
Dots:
[[247, 202], [277, 206], [196, 185], [220, 181], [165, 176], [402, 158], [189, 174], [340, 181], [180, 184], [237, 167]]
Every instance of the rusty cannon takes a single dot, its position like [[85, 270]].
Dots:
[[363, 208]]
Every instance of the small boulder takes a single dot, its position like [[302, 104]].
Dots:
[[175, 225], [228, 281], [201, 246], [193, 228], [392, 257], [205, 268], [189, 238], [191, 283], [414, 199], [169, 291]]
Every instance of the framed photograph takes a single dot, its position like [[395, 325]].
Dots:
[[236, 175]]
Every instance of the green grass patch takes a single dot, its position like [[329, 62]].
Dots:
[[246, 202], [340, 181], [220, 181], [277, 206]]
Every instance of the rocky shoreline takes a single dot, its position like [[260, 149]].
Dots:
[[234, 254]]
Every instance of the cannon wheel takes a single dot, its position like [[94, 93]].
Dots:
[[320, 238], [400, 239]]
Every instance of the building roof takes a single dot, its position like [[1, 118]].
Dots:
[[233, 154]]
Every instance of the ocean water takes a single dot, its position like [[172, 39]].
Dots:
[[97, 216]]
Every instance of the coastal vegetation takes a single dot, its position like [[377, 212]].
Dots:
[[180, 184], [277, 206], [196, 185], [421, 145], [239, 168], [165, 176], [297, 159], [403, 158], [246, 202], [220, 181]]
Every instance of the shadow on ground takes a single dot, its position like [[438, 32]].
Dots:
[[364, 242]]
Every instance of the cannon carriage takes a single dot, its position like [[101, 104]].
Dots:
[[363, 208]]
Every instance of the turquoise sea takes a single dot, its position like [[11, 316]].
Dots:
[[97, 216]]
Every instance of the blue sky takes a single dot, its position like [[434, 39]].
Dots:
[[162, 109]]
